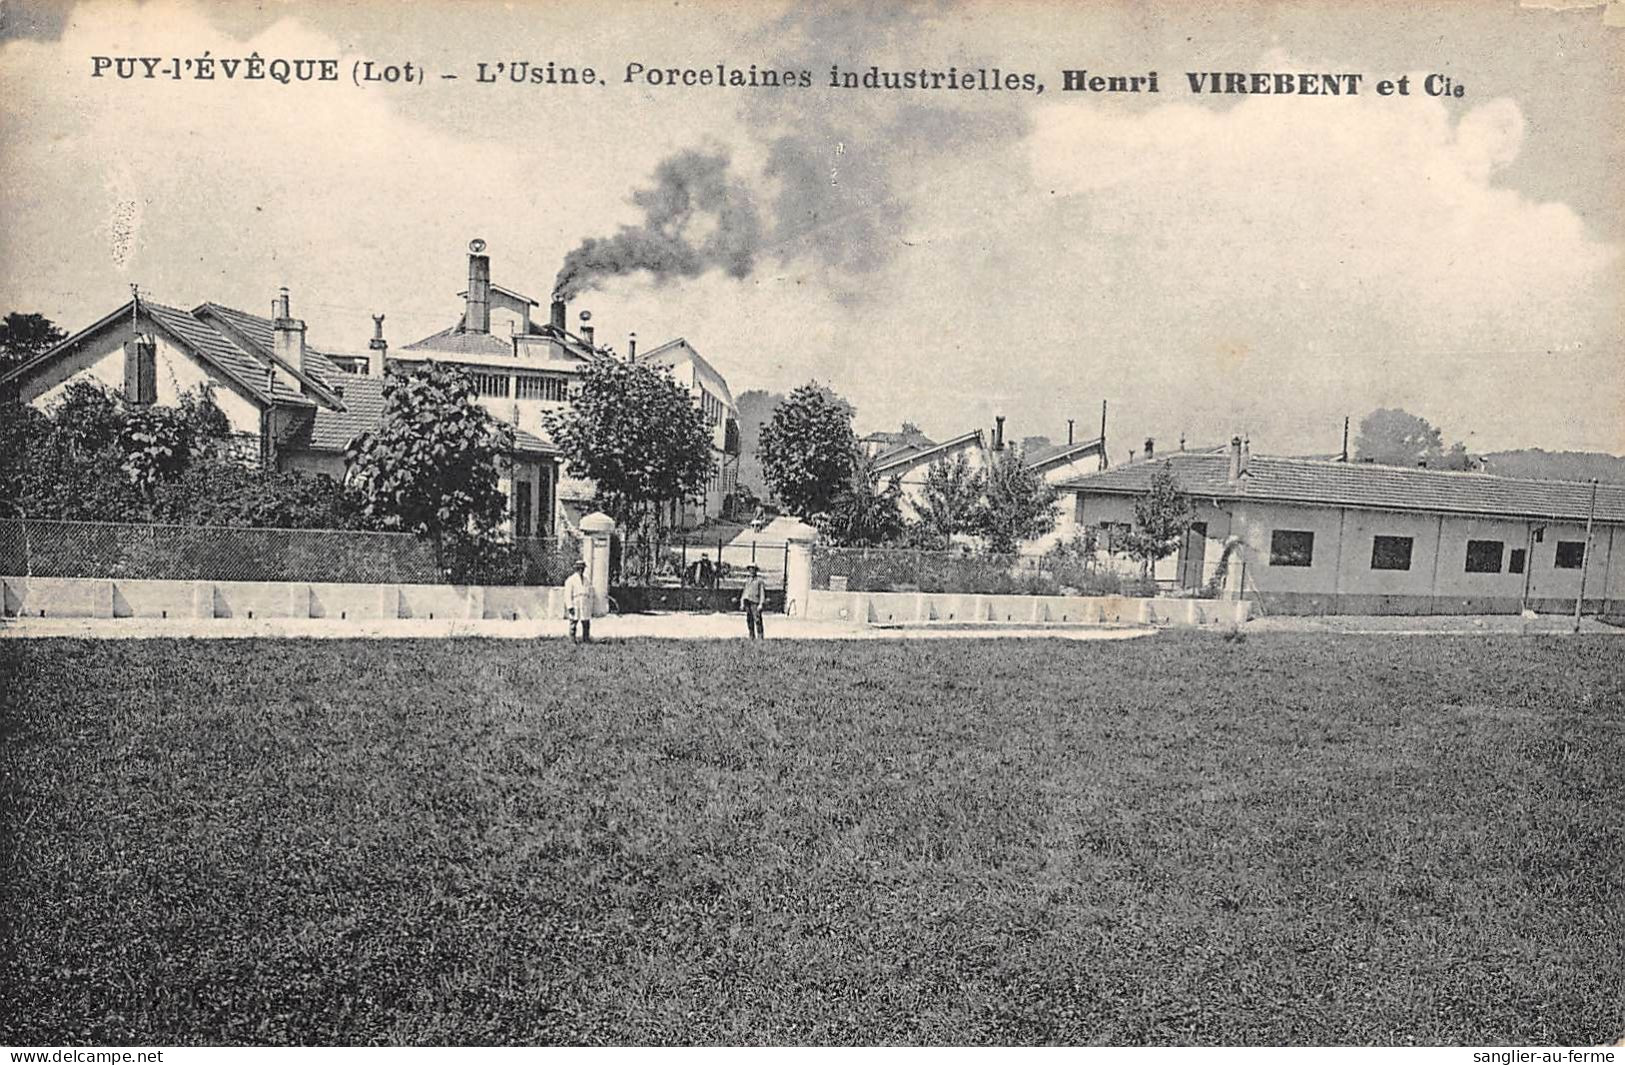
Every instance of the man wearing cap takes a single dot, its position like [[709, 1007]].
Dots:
[[752, 597], [578, 602]]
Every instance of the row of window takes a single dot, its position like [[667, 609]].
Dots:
[[1290, 547], [552, 387], [711, 407]]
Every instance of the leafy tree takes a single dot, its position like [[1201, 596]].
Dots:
[[950, 502], [1393, 437], [808, 450], [1161, 517], [1017, 503], [22, 336], [432, 466], [636, 433], [865, 514]]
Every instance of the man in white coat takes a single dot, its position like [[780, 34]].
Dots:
[[578, 603]]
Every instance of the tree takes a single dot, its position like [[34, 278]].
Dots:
[[865, 514], [809, 452], [950, 502], [22, 336], [638, 436], [432, 466], [1161, 517], [1017, 503], [1393, 437]]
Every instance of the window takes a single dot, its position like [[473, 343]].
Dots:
[[141, 371], [1571, 554], [1391, 552], [1484, 556], [1114, 536], [1292, 548], [491, 384], [521, 508], [1515, 560], [553, 388]]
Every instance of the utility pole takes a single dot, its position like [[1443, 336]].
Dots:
[[1585, 559]]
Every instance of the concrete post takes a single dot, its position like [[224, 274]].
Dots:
[[798, 578], [598, 529]]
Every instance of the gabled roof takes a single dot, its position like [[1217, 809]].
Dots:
[[332, 430], [259, 334], [508, 292], [1365, 485], [456, 340], [233, 342], [914, 458], [672, 351], [1060, 455]]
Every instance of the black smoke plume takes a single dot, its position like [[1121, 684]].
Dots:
[[696, 218]]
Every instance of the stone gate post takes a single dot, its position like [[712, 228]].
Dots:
[[597, 528]]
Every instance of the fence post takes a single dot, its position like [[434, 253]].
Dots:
[[682, 574], [598, 528], [797, 577]]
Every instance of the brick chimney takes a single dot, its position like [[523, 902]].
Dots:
[[1150, 449], [288, 334], [998, 433], [1069, 432], [377, 348], [477, 316], [1235, 459], [556, 319]]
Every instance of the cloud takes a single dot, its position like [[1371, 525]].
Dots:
[[1358, 248]]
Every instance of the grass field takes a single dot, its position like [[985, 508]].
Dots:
[[1181, 839]]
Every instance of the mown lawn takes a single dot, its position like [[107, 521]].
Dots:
[[1181, 839]]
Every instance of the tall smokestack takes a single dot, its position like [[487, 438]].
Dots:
[[477, 316], [377, 348], [998, 433], [556, 316], [586, 327]]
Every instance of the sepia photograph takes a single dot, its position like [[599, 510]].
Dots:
[[606, 523]]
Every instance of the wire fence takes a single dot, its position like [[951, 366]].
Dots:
[[39, 548], [876, 569]]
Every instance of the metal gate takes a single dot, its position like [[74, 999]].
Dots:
[[667, 571]]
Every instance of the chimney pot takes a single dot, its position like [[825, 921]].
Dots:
[[631, 347], [377, 348], [1069, 432]]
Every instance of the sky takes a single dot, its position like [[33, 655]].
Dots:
[[1207, 265]]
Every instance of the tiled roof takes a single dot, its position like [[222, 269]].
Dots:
[[1367, 485], [261, 333], [246, 368], [458, 341], [332, 430]]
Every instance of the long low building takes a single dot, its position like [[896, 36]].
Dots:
[[1304, 536]]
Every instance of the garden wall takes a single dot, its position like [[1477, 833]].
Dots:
[[933, 608], [89, 597]]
